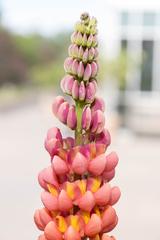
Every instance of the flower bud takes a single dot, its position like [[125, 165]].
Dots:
[[59, 165], [77, 26], [85, 56], [115, 195], [94, 226], [68, 142], [49, 201], [87, 72], [79, 38], [95, 42], [93, 30], [104, 138], [87, 201], [74, 67], [97, 165], [65, 203], [47, 176], [89, 40], [98, 122], [94, 68], [80, 52], [56, 104], [54, 133], [108, 175], [71, 234], [98, 104], [75, 51], [95, 84], [90, 92], [63, 112], [93, 21], [71, 118], [51, 232], [82, 91], [79, 164], [84, 40], [108, 217], [73, 37], [70, 50], [102, 196], [75, 89], [68, 64], [111, 161], [80, 70], [86, 118], [42, 218], [91, 54], [67, 84]]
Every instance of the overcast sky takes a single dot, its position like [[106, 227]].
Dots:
[[50, 16]]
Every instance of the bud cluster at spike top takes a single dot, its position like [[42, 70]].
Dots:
[[77, 195]]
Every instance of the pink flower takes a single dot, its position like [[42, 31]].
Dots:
[[71, 234], [42, 217], [87, 72], [94, 226], [77, 196], [51, 232], [80, 163], [59, 165]]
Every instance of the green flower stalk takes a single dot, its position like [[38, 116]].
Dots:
[[78, 198]]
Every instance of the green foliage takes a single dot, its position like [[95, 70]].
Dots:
[[47, 75], [117, 68], [13, 68], [32, 58]]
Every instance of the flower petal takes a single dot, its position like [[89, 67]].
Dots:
[[49, 201], [112, 161], [108, 217], [93, 184], [94, 226], [108, 175], [64, 202], [97, 165], [51, 232], [87, 201], [59, 165], [102, 196], [80, 163], [47, 176], [71, 234], [115, 195]]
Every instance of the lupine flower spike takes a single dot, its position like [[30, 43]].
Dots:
[[77, 195]]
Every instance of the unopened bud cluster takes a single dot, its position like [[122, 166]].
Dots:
[[81, 66]]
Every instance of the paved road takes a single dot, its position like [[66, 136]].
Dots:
[[22, 155]]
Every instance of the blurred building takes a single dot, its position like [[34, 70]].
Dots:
[[138, 34], [140, 37]]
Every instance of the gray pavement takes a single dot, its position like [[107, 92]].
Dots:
[[22, 156]]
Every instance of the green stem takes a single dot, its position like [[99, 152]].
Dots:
[[78, 131]]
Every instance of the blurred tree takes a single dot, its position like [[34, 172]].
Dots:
[[117, 69], [47, 75], [44, 56], [13, 68]]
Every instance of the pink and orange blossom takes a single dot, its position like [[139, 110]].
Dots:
[[77, 196]]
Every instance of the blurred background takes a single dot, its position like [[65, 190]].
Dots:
[[34, 37]]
